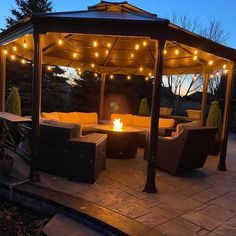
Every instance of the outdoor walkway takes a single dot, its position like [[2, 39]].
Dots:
[[200, 203]]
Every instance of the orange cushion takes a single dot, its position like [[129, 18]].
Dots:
[[166, 123], [141, 121], [50, 115], [126, 119], [69, 117], [88, 117]]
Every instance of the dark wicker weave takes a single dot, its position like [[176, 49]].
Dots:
[[185, 152]]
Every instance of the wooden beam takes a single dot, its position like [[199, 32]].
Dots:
[[111, 51], [2, 79], [226, 120], [150, 186], [102, 94], [204, 99], [36, 104]]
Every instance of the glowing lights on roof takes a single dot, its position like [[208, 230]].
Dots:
[[108, 45], [128, 77], [96, 54], [210, 63], [177, 52], [60, 42], [95, 44], [137, 47], [195, 57], [24, 44], [75, 55]]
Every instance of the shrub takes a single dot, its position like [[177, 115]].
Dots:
[[13, 104], [144, 108], [214, 118]]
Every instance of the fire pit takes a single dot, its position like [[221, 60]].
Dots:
[[121, 141]]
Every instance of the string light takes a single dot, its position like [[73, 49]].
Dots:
[[165, 51], [210, 62], [92, 65], [146, 78], [14, 48], [211, 76], [218, 73], [108, 45], [5, 51], [96, 54], [128, 77], [226, 71], [23, 61], [144, 43], [137, 47], [13, 57], [49, 68], [132, 55], [79, 72], [95, 44], [111, 76], [195, 52], [25, 44], [150, 74], [195, 58], [60, 42], [177, 52], [78, 69], [74, 54], [95, 74], [141, 69], [224, 66], [106, 51]]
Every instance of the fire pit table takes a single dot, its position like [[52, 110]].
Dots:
[[121, 144]]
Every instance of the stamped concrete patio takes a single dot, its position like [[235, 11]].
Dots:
[[202, 202]]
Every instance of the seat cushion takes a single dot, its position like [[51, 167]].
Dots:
[[88, 117], [189, 125], [166, 123], [69, 117], [126, 119], [50, 115], [141, 121], [89, 127]]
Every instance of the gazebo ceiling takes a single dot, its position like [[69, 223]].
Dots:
[[110, 52]]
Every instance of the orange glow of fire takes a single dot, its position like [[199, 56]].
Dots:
[[117, 124]]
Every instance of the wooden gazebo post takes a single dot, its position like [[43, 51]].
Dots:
[[2, 79], [36, 103], [226, 120], [204, 99], [102, 94], [150, 186]]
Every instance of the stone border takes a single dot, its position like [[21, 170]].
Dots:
[[86, 212]]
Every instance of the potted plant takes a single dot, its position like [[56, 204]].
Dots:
[[214, 118], [144, 108], [6, 162]]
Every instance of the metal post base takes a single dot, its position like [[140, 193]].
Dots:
[[221, 167], [150, 188]]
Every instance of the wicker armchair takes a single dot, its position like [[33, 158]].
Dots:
[[185, 152]]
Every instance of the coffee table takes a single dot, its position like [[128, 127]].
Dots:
[[120, 144]]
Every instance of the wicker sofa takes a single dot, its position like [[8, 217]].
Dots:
[[186, 150]]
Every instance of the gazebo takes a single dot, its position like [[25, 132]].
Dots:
[[116, 38]]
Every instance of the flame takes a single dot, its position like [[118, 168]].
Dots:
[[117, 124]]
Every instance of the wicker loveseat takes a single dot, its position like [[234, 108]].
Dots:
[[186, 151]]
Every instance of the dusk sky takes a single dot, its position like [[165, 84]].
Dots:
[[205, 10]]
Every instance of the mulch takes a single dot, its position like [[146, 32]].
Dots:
[[17, 220]]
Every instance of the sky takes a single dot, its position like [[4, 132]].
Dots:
[[204, 10]]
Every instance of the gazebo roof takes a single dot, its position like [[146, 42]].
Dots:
[[117, 28]]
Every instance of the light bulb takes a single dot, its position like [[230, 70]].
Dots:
[[74, 54], [144, 43], [78, 69], [177, 52], [132, 55], [195, 52], [13, 57], [137, 47], [224, 66], [195, 58], [23, 61], [79, 72], [140, 68], [109, 45], [111, 76], [95, 74], [14, 48], [106, 51], [5, 51], [95, 44], [49, 68], [128, 77], [60, 42], [146, 78], [210, 62], [96, 54], [165, 51], [226, 71], [92, 65], [25, 44], [150, 74]]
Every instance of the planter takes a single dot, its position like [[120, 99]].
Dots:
[[6, 166], [194, 114], [215, 148]]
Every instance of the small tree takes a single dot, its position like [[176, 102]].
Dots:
[[144, 108], [13, 104], [214, 118]]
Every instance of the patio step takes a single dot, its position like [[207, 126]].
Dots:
[[61, 225]]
